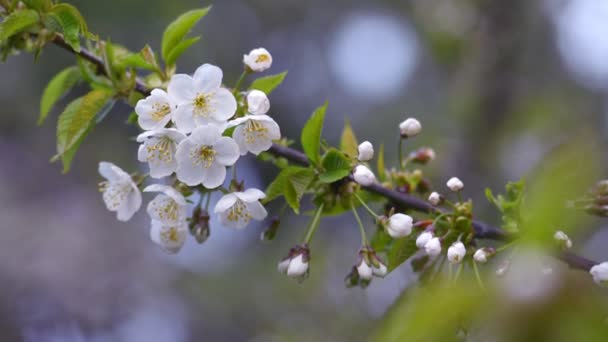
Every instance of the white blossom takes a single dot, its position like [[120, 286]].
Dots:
[[423, 239], [258, 59], [410, 127], [203, 156], [563, 239], [158, 150], [297, 266], [155, 111], [433, 247], [399, 225], [456, 252], [283, 265], [255, 133], [365, 271], [168, 207], [171, 237], [238, 208], [599, 273], [201, 99], [435, 198], [363, 175], [366, 151], [455, 184], [257, 102], [380, 270], [120, 193], [481, 256]]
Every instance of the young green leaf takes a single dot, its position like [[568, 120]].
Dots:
[[57, 88], [401, 250], [180, 48], [311, 134], [17, 22], [178, 29], [290, 183], [348, 141], [40, 5], [71, 23], [77, 119], [268, 83], [335, 165]]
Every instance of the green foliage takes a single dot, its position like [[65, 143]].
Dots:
[[509, 204], [176, 32], [311, 134], [290, 183], [401, 250], [179, 49], [348, 141], [335, 166], [380, 166], [39, 5], [268, 83], [70, 22], [76, 121], [57, 88], [17, 22]]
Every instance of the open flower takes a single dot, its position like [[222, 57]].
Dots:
[[238, 208], [258, 59], [120, 193], [168, 207], [203, 156], [201, 99], [170, 238], [255, 133], [257, 102], [155, 111], [158, 150]]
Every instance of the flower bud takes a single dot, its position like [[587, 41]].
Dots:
[[364, 270], [298, 266], [283, 265], [456, 252], [295, 265], [423, 155], [423, 239], [199, 225], [409, 128], [562, 239], [455, 184], [435, 198], [399, 225], [258, 60], [257, 102], [433, 247], [599, 273], [483, 254], [366, 151], [364, 175], [380, 271], [352, 278]]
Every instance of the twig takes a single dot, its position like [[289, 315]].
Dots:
[[482, 229]]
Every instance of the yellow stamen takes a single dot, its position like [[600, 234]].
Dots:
[[160, 111]]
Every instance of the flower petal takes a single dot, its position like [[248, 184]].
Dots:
[[208, 78], [108, 171], [227, 151], [187, 171], [213, 176], [224, 105], [251, 195], [225, 203], [130, 206], [257, 210], [181, 89], [184, 118]]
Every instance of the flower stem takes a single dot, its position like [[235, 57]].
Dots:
[[400, 151], [369, 210], [364, 241], [314, 224], [505, 246], [478, 276], [207, 202], [238, 84], [458, 271]]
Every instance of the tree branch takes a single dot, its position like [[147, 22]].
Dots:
[[482, 229]]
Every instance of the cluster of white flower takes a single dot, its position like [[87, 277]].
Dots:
[[186, 130]]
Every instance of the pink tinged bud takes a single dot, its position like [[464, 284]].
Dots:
[[456, 252], [399, 225], [423, 239], [433, 247], [455, 184], [366, 151], [409, 128], [363, 175]]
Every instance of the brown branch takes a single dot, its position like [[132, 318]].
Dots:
[[482, 230]]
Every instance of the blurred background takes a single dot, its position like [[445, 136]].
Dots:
[[496, 84]]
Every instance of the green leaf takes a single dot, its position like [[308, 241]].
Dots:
[[17, 22], [76, 121], [40, 5], [290, 183], [71, 22], [178, 29], [380, 167], [401, 250], [57, 88], [68, 156], [311, 134], [180, 48], [268, 83], [335, 165], [348, 141]]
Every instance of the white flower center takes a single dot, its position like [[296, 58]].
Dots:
[[161, 150], [160, 111], [255, 130], [203, 104], [203, 155], [239, 212]]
